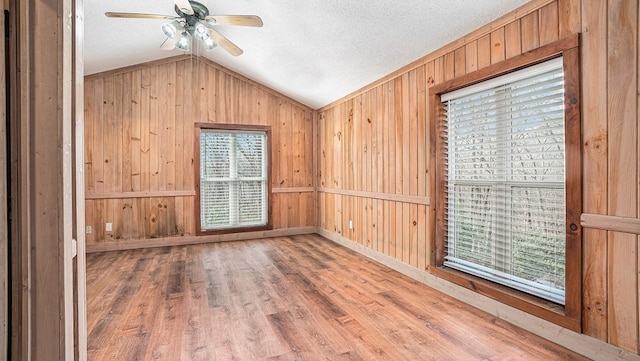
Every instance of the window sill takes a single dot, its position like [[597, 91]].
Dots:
[[234, 230], [530, 304]]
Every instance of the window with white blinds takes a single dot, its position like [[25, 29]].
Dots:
[[233, 179], [505, 191]]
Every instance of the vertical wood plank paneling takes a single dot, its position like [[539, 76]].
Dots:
[[376, 185], [413, 164], [127, 128], [145, 139], [380, 175], [297, 146], [162, 176], [460, 64], [367, 221], [345, 163], [191, 98], [398, 106], [570, 14], [622, 169], [484, 51], [512, 39], [135, 142], [595, 158], [406, 167], [549, 27], [154, 141], [449, 66], [497, 46], [391, 168], [181, 119], [168, 130], [471, 56], [116, 126], [337, 166], [530, 32], [100, 130], [90, 115], [422, 138], [284, 164]]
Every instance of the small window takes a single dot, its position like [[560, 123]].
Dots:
[[505, 194], [233, 179]]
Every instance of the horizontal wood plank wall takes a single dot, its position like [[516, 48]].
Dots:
[[139, 132], [376, 142]]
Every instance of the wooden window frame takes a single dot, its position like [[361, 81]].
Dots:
[[241, 128], [569, 315]]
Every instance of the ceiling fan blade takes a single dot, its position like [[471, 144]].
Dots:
[[111, 14], [225, 43], [184, 6], [240, 20], [169, 44]]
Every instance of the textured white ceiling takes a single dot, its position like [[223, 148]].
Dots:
[[314, 51]]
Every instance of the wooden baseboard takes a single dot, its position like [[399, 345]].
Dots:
[[580, 343], [179, 241]]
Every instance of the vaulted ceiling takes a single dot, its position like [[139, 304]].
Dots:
[[314, 51]]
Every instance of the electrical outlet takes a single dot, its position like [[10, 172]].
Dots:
[[350, 224], [88, 229], [108, 227]]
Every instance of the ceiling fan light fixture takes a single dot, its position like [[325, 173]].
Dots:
[[201, 32], [183, 42], [209, 44], [171, 29], [193, 20]]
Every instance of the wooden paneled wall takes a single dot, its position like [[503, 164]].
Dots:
[[376, 163], [139, 146]]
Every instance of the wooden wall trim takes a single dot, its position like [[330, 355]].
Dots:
[[580, 343], [42, 100], [177, 193], [145, 194], [514, 15], [179, 241], [293, 190], [611, 223], [424, 200], [4, 227]]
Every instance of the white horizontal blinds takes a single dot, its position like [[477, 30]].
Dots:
[[233, 179], [505, 209]]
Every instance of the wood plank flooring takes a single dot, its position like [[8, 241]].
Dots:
[[289, 298]]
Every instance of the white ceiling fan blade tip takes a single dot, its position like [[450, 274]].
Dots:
[[184, 6]]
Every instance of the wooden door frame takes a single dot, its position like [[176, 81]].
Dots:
[[4, 223], [47, 229]]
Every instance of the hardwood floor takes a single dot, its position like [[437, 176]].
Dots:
[[290, 298]]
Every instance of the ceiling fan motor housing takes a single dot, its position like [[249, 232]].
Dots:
[[199, 13]]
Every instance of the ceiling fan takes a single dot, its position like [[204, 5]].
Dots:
[[193, 19]]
